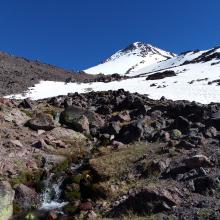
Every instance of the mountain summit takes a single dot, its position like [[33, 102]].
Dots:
[[132, 58]]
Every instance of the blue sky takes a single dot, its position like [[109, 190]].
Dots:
[[77, 34]]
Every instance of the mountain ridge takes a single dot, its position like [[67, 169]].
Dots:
[[17, 74], [130, 59], [192, 75]]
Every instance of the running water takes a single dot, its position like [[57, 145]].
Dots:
[[51, 195]]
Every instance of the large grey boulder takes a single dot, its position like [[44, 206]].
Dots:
[[6, 200], [26, 197], [41, 122], [80, 119]]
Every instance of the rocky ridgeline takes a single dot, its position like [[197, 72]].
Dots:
[[18, 74], [140, 158]]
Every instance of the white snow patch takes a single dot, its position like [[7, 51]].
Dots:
[[176, 88], [139, 56]]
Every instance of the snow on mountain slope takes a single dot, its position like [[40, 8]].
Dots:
[[130, 59], [170, 63], [193, 82], [195, 77], [195, 57]]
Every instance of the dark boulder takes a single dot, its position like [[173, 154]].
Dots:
[[161, 75], [73, 114], [131, 132], [140, 111], [146, 201], [206, 184], [26, 103], [81, 124], [215, 120], [41, 122], [104, 110], [113, 128], [131, 102], [197, 161], [182, 124]]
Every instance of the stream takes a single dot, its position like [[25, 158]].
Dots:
[[51, 195]]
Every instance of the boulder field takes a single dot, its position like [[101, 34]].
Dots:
[[119, 156]]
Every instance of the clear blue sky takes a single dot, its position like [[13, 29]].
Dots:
[[76, 34]]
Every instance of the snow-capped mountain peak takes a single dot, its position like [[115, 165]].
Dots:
[[130, 59]]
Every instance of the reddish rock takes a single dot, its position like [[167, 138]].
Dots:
[[85, 206], [52, 215]]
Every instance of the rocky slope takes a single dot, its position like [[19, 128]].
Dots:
[[17, 74], [112, 155]]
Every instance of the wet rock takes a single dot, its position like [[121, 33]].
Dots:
[[51, 161], [41, 122], [52, 215], [26, 197], [6, 200]]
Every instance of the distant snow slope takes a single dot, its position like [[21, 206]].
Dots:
[[130, 59], [196, 78], [170, 63], [183, 59], [191, 83]]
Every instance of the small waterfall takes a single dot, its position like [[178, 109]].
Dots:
[[51, 195], [52, 192]]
